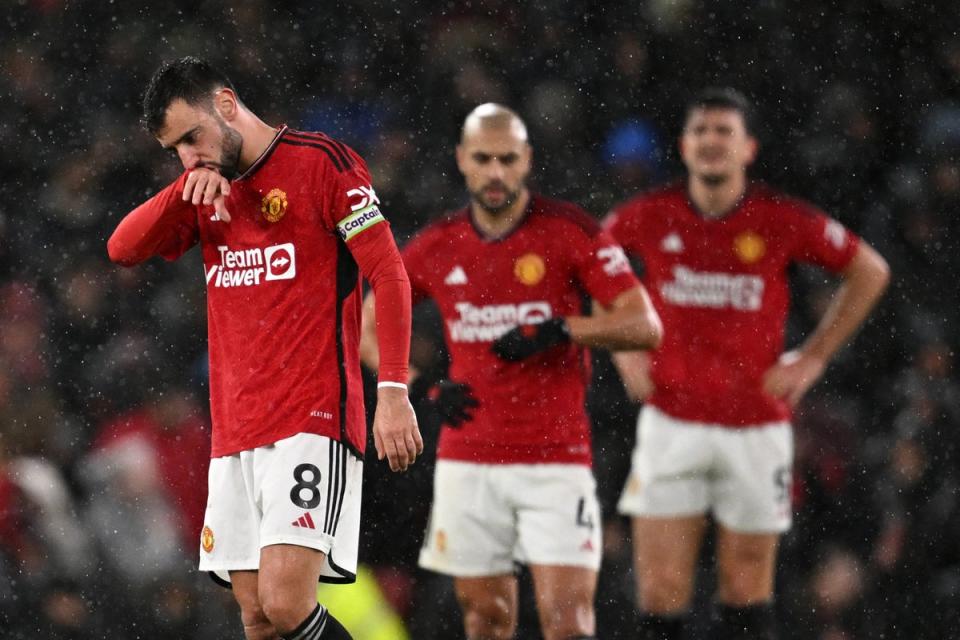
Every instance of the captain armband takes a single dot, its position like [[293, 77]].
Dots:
[[359, 221]]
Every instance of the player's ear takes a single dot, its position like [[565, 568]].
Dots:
[[753, 147], [461, 159], [225, 102]]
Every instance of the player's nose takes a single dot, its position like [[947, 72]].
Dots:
[[188, 157]]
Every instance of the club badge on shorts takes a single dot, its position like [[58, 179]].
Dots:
[[529, 269], [274, 205], [206, 539]]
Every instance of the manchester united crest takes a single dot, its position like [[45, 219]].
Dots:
[[206, 539], [749, 247], [529, 269], [274, 205]]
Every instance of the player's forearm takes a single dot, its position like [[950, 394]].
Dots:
[[380, 262], [865, 280], [631, 324], [143, 231], [369, 349]]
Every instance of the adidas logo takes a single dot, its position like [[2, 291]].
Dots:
[[456, 276], [304, 521], [587, 546]]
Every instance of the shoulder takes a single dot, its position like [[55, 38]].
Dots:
[[781, 203], [330, 153], [445, 228], [564, 214], [655, 200]]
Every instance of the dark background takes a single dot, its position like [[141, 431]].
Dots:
[[103, 415]]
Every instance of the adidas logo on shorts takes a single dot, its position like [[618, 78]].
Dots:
[[304, 521]]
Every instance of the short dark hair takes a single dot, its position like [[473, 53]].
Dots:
[[190, 79], [723, 98]]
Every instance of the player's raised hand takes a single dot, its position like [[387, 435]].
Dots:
[[207, 186], [396, 434], [792, 376]]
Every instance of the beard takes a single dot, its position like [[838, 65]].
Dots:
[[230, 151], [510, 197], [713, 179]]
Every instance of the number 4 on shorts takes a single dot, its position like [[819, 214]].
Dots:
[[584, 519]]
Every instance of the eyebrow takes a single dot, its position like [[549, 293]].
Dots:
[[188, 133]]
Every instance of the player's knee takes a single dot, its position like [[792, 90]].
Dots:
[[664, 591], [742, 589], [574, 624], [487, 618], [284, 613], [746, 581]]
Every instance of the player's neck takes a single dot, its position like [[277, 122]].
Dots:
[[257, 136], [717, 200], [500, 224]]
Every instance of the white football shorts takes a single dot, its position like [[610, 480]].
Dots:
[[488, 517], [303, 490], [741, 475]]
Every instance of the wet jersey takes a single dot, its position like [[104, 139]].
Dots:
[[530, 411], [283, 289], [720, 287]]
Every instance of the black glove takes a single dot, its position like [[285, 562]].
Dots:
[[450, 400], [525, 340]]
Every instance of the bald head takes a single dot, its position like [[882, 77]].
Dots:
[[493, 117]]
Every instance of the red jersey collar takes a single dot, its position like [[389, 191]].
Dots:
[[261, 160], [488, 238]]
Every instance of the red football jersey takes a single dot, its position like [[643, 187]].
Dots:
[[530, 411], [283, 290], [720, 287]]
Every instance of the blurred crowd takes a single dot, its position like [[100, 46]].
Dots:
[[104, 428]]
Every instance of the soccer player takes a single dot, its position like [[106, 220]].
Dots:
[[287, 221], [714, 435], [513, 482]]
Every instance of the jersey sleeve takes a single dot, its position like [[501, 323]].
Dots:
[[821, 240], [354, 213], [163, 226], [622, 224], [603, 268]]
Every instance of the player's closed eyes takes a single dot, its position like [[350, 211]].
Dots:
[[506, 160]]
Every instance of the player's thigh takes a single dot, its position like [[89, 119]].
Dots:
[[310, 488], [245, 588], [289, 572], [666, 551], [670, 468], [557, 513], [746, 566], [472, 530], [754, 471], [565, 596]]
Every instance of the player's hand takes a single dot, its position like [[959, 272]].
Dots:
[[206, 186], [792, 376], [395, 431], [452, 401], [634, 370], [526, 340]]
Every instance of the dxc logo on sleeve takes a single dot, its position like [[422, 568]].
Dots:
[[367, 197]]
